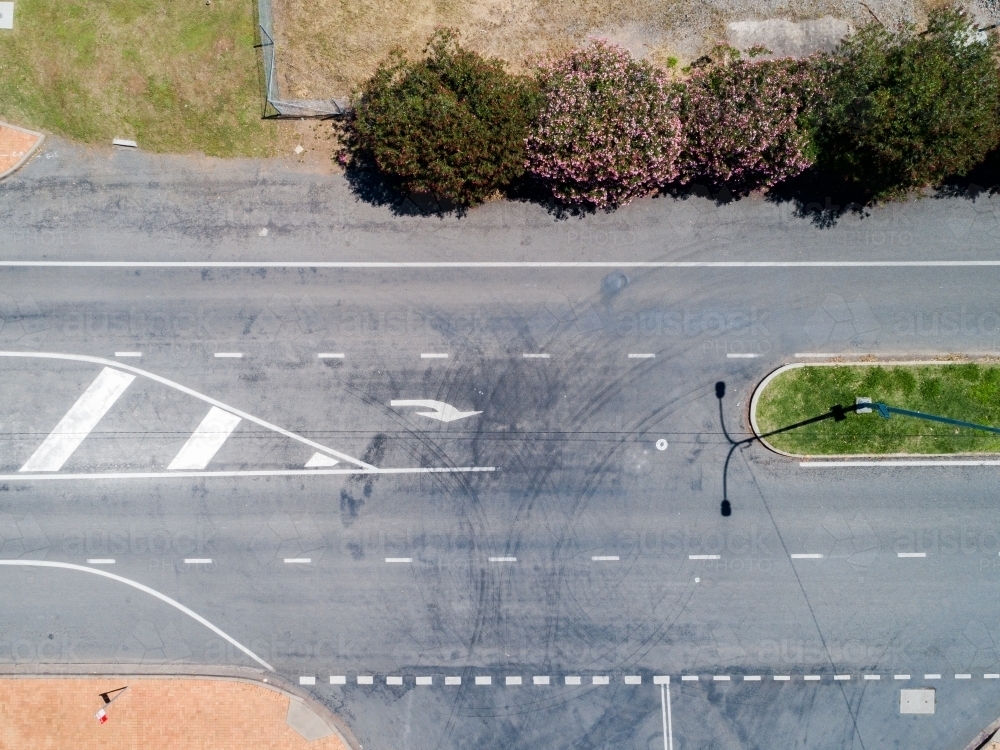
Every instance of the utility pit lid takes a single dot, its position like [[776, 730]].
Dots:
[[918, 701], [6, 15]]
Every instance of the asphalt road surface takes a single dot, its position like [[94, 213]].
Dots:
[[522, 559]]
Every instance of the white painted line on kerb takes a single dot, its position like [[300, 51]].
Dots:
[[128, 354], [807, 556], [434, 355], [298, 560], [911, 554], [416, 265], [528, 355], [152, 592], [330, 355], [503, 559], [704, 557], [229, 355], [205, 441], [642, 356], [735, 355], [79, 421], [605, 558], [888, 463], [198, 560], [101, 561], [399, 559]]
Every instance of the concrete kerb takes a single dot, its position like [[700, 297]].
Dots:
[[984, 736], [31, 151], [247, 675], [866, 363]]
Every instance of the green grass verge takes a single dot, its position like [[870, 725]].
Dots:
[[968, 392], [175, 76]]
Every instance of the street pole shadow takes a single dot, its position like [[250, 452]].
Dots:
[[837, 413]]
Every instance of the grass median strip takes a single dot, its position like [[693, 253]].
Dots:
[[968, 392]]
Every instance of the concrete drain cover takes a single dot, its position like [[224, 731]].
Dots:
[[920, 701]]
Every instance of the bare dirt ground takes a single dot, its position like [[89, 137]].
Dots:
[[326, 48]]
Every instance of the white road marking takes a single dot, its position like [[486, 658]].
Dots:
[[735, 355], [901, 677], [128, 354], [528, 355], [781, 678], [540, 680], [338, 679], [434, 355], [189, 392], [600, 680], [661, 679], [101, 561], [842, 677], [751, 678], [911, 554], [668, 725], [399, 559], [932, 677], [662, 444], [319, 461], [873, 677], [503, 559], [484, 680], [393, 680], [425, 680], [439, 410], [894, 463], [807, 556], [298, 560], [307, 680], [146, 589], [642, 356], [229, 355], [992, 676], [366, 679], [452, 680], [513, 680], [689, 678], [811, 677], [704, 557], [251, 473], [720, 678], [963, 677], [406, 265], [572, 680], [633, 679], [205, 441], [198, 560], [330, 355], [78, 422], [605, 558]]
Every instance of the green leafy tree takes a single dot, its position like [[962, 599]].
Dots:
[[907, 109], [453, 124]]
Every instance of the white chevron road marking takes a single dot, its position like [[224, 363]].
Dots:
[[205, 442]]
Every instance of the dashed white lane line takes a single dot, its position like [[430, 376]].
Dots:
[[79, 421], [901, 677], [739, 355], [307, 680], [841, 677], [807, 556], [704, 557], [633, 679], [873, 677], [298, 560], [503, 559], [484, 680], [992, 676], [573, 680], [641, 356], [452, 680], [811, 677], [781, 678], [600, 680], [512, 680], [932, 677], [434, 355], [689, 678], [720, 678], [529, 355], [229, 355], [366, 679], [205, 441], [425, 681], [911, 554], [605, 558], [399, 559], [330, 355], [338, 679], [198, 560], [963, 677], [128, 354], [101, 561], [540, 680], [751, 678], [394, 680]]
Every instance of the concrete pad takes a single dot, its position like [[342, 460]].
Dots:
[[789, 39], [304, 720], [916, 701]]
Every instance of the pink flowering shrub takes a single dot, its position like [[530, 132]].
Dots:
[[744, 120], [608, 129]]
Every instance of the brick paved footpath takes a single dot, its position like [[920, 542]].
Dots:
[[14, 144], [154, 713]]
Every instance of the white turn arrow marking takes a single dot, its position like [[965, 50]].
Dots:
[[441, 411]]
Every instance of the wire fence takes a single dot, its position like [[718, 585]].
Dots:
[[287, 107]]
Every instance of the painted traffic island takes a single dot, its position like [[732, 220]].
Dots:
[[916, 409]]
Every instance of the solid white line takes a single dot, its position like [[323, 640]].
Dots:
[[503, 559], [807, 556], [528, 355], [229, 355], [667, 733], [128, 354], [146, 589], [298, 560], [78, 422], [911, 554], [704, 557], [205, 441], [503, 264], [894, 463], [399, 559], [605, 558], [734, 355], [198, 560], [642, 356], [189, 392], [101, 561], [330, 355], [434, 355], [251, 473]]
